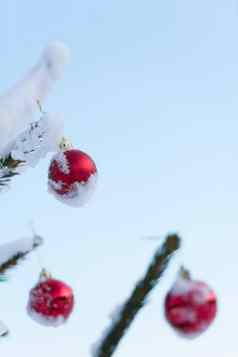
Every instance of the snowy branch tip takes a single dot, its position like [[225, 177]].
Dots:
[[12, 253], [55, 56]]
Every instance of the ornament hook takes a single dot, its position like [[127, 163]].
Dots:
[[65, 144], [184, 273], [45, 275]]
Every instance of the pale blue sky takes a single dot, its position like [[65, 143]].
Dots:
[[151, 94]]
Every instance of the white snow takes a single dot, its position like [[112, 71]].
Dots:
[[116, 313], [55, 185], [55, 56], [45, 321], [3, 330], [4, 171], [80, 193], [182, 286], [184, 314], [62, 162], [41, 137], [23, 245], [19, 103], [201, 292]]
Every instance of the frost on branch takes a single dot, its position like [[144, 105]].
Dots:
[[33, 144], [19, 103], [41, 137], [12, 253], [7, 171], [3, 330]]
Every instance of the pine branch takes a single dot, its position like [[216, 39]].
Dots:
[[138, 298], [11, 254], [5, 178], [7, 169], [18, 104], [9, 162]]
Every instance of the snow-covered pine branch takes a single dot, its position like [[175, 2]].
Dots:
[[30, 146], [37, 140], [12, 253], [20, 102]]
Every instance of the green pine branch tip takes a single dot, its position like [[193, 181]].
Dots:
[[172, 242]]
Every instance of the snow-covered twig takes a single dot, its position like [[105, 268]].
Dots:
[[41, 137], [20, 102], [8, 166], [12, 253], [3, 330], [126, 314]]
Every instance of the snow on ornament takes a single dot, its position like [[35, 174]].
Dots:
[[51, 301], [190, 306], [72, 176]]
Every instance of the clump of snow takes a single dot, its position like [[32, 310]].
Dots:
[[201, 294], [23, 245], [3, 330], [116, 313], [4, 171], [19, 103], [184, 314], [200, 291], [62, 162], [4, 180], [182, 286], [80, 193], [55, 185], [5, 188], [55, 57], [41, 137], [45, 321]]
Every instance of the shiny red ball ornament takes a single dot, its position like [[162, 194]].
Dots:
[[51, 301], [190, 306], [72, 177]]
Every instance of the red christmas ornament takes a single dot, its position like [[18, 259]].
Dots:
[[190, 306], [51, 301], [72, 177]]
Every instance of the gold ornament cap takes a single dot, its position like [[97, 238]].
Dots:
[[45, 275], [65, 144], [184, 273]]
